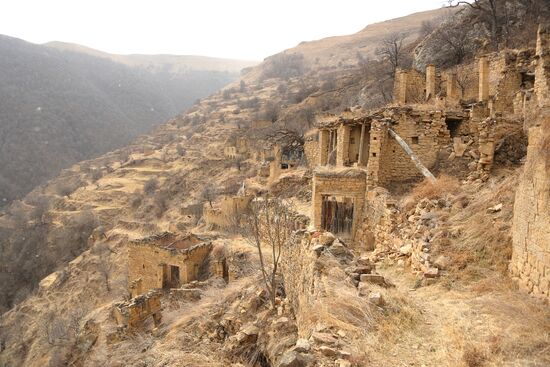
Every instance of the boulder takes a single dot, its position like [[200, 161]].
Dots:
[[442, 262], [328, 351], [364, 261], [337, 249], [295, 359], [324, 338], [326, 238], [318, 249], [406, 249], [374, 279], [364, 289], [459, 147], [302, 346], [376, 298], [431, 273], [343, 363], [495, 208]]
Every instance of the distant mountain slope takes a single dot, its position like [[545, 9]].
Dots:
[[342, 51], [158, 63], [58, 107]]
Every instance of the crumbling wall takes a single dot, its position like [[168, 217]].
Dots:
[[300, 275], [134, 312], [377, 218], [542, 70], [424, 132], [226, 213], [530, 263], [409, 87], [311, 150]]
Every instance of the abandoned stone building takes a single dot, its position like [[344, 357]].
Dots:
[[357, 153], [360, 152], [227, 211], [167, 261]]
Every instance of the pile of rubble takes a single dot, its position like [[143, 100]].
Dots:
[[411, 237]]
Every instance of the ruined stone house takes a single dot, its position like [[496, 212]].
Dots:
[[167, 261], [358, 152], [226, 212]]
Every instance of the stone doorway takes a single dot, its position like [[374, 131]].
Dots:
[[170, 276], [337, 214]]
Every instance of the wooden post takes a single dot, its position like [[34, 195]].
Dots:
[[426, 172], [361, 143]]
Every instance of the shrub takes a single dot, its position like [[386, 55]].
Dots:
[[150, 186]]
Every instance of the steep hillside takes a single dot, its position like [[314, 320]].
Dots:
[[424, 283], [341, 52], [59, 107]]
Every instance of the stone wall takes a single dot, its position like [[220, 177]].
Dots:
[[134, 312], [225, 213], [424, 132], [542, 71], [311, 151], [341, 182], [409, 87], [147, 264], [230, 152], [299, 274], [530, 263]]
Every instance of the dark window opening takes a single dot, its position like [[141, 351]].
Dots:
[[374, 154], [415, 139], [453, 125], [284, 165], [527, 80], [170, 276]]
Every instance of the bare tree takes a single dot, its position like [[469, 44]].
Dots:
[[209, 193], [268, 226], [392, 50], [290, 141], [150, 186], [104, 265], [457, 41], [270, 112], [489, 12]]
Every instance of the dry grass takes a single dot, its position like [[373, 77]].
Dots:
[[339, 307], [481, 241], [473, 355], [401, 316], [443, 185]]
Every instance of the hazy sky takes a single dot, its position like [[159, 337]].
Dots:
[[243, 29]]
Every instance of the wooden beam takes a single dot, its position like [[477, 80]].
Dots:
[[426, 172]]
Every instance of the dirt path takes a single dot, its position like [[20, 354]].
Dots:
[[464, 327]]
